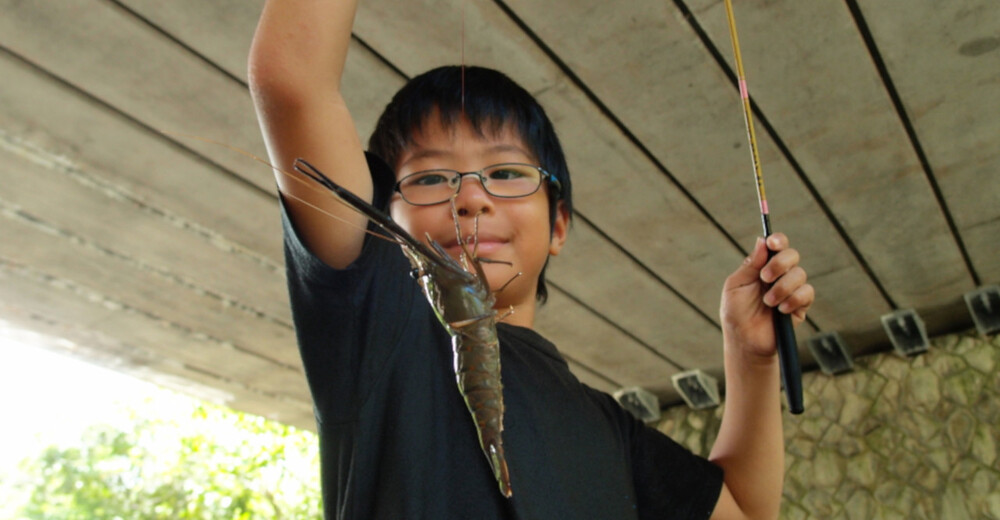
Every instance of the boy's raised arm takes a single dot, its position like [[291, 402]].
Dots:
[[295, 67], [750, 444]]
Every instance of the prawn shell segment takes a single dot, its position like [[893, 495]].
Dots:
[[477, 371]]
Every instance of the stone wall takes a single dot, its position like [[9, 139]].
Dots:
[[896, 438]]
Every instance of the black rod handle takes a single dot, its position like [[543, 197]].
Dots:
[[788, 350], [788, 357]]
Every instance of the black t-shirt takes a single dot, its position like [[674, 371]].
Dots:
[[397, 441]]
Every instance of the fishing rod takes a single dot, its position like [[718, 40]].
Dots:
[[788, 354]]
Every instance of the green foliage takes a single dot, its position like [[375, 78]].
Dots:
[[220, 464]]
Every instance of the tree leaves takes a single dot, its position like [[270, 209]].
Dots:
[[220, 464]]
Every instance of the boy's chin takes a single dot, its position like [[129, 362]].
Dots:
[[509, 287], [499, 275]]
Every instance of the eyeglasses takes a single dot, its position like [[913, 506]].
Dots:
[[507, 180]]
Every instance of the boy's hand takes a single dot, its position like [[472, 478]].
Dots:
[[758, 286]]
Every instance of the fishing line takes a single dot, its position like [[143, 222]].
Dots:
[[463, 57]]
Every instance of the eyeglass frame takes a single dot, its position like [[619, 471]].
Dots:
[[545, 175]]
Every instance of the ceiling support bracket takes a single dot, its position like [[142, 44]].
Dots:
[[907, 332], [832, 354], [640, 402], [984, 306], [699, 390]]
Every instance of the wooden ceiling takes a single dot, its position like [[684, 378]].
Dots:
[[161, 255]]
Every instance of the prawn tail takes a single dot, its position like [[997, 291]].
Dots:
[[477, 369], [499, 465]]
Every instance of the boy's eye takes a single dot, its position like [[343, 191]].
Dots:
[[507, 173], [429, 179]]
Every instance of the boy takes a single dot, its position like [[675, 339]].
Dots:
[[396, 439]]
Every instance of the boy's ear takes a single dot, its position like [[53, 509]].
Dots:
[[560, 229]]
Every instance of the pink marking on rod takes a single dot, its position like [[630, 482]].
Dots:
[[744, 93], [763, 207]]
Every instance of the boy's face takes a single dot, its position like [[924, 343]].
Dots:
[[512, 230]]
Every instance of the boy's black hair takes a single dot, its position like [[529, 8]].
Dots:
[[492, 101]]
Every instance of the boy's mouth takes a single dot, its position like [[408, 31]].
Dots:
[[484, 245]]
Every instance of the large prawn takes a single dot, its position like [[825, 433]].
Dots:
[[463, 302]]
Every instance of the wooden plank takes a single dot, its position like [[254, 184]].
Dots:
[[87, 205], [624, 194], [813, 77], [68, 124], [71, 340], [28, 240], [222, 31], [115, 57], [89, 308], [422, 34], [35, 293], [635, 300], [602, 347], [943, 58]]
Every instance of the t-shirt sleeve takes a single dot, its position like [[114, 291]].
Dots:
[[672, 482], [348, 321]]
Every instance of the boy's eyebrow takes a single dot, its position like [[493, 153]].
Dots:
[[424, 153], [510, 148]]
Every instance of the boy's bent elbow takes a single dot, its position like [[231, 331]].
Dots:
[[728, 508]]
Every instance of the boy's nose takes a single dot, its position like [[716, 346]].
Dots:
[[472, 197]]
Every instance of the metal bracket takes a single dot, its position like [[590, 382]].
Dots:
[[640, 403], [699, 390], [831, 353], [906, 331], [984, 306]]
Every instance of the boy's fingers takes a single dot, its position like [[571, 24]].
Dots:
[[799, 302], [786, 288], [777, 242], [781, 263]]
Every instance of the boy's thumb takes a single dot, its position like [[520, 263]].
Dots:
[[749, 271]]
